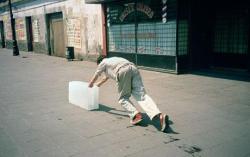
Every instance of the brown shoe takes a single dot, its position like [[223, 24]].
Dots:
[[137, 119], [164, 121]]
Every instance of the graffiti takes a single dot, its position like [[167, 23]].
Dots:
[[158, 51], [141, 49]]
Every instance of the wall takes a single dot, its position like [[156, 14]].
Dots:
[[7, 31], [82, 26]]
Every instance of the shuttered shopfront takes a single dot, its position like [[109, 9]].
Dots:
[[144, 32], [179, 35]]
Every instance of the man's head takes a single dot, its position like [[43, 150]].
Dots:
[[99, 59]]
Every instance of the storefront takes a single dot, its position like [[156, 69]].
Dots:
[[177, 35]]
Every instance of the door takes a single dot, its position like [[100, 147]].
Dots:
[[2, 37], [56, 34], [29, 33], [200, 34]]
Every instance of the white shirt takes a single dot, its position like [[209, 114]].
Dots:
[[109, 66]]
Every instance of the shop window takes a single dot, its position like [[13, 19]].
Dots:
[[122, 38], [141, 26]]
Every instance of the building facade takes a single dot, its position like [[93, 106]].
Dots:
[[50, 26], [178, 35]]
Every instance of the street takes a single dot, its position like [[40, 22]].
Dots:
[[210, 116]]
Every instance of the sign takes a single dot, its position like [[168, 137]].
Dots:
[[20, 29], [164, 11], [139, 7], [36, 30], [145, 11], [74, 32], [8, 30]]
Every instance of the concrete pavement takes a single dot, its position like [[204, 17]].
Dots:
[[210, 115]]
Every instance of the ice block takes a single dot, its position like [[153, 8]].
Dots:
[[83, 96]]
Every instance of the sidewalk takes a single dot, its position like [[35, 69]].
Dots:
[[210, 115]]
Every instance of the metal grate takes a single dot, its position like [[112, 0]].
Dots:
[[122, 38], [231, 34], [157, 38], [153, 36], [183, 37]]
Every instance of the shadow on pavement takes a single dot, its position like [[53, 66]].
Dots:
[[224, 74], [156, 123], [144, 123], [111, 110]]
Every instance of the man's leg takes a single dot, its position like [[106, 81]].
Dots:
[[128, 105], [146, 102], [139, 93], [124, 89]]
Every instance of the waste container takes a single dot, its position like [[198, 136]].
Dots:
[[70, 53]]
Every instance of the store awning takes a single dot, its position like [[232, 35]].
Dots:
[[100, 1]]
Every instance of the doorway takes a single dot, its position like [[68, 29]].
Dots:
[[2, 37], [29, 33], [219, 38], [56, 34]]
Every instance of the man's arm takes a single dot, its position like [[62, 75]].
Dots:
[[92, 81], [104, 79], [100, 69]]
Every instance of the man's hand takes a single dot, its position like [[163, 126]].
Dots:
[[91, 84], [92, 81]]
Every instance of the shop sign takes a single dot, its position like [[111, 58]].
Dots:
[[139, 7]]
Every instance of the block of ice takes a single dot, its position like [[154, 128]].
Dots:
[[83, 96]]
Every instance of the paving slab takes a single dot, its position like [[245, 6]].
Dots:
[[209, 113]]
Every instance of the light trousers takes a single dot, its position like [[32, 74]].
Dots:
[[129, 83]]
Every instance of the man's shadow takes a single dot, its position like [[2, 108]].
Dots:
[[144, 123]]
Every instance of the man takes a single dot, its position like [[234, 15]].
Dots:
[[129, 83]]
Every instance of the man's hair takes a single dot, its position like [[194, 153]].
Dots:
[[99, 59]]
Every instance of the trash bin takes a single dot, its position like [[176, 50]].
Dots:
[[70, 53]]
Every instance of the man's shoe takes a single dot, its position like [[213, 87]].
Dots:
[[164, 121], [137, 119]]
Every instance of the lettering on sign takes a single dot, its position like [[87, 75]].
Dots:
[[74, 32], [36, 30], [139, 7], [145, 9]]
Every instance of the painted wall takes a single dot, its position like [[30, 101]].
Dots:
[[82, 26]]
